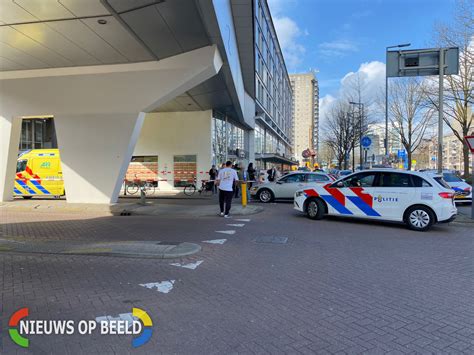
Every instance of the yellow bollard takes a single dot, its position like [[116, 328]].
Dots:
[[244, 193]]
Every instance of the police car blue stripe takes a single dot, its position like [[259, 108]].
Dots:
[[364, 207], [18, 192], [39, 187], [26, 187], [336, 204]]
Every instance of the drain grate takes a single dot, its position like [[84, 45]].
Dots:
[[272, 240]]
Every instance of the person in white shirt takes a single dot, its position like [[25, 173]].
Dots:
[[226, 180]]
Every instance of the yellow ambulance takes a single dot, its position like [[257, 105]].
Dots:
[[39, 173]]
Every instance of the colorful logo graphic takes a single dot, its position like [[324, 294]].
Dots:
[[141, 327], [147, 327], [13, 325]]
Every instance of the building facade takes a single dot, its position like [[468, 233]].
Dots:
[[305, 130], [171, 101], [273, 99]]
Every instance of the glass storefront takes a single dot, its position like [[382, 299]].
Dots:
[[227, 140]]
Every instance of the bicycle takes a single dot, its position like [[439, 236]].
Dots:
[[205, 189], [148, 187]]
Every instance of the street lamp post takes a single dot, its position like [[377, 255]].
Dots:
[[361, 113], [386, 95]]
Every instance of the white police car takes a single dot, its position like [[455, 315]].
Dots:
[[383, 194], [462, 190]]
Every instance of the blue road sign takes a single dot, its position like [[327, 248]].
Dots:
[[401, 153], [366, 142]]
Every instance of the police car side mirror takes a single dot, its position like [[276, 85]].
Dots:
[[340, 184], [279, 182]]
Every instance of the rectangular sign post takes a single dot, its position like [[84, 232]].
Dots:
[[470, 143], [424, 62]]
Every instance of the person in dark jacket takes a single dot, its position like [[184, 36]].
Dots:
[[251, 175], [271, 174], [212, 179]]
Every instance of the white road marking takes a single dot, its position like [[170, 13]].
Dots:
[[242, 220], [128, 317], [236, 225], [191, 266], [163, 286], [226, 232], [215, 241]]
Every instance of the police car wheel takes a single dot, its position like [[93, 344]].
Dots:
[[419, 218], [265, 196], [315, 209], [27, 197]]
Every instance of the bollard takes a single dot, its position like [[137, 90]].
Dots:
[[244, 194], [142, 196]]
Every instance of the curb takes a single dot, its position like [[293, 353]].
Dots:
[[125, 249]]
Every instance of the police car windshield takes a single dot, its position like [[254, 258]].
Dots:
[[450, 177]]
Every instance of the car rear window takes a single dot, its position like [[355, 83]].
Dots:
[[450, 177], [441, 181]]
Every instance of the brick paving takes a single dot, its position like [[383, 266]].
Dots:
[[336, 287]]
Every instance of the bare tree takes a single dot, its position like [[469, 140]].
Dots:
[[410, 115], [339, 131], [459, 89]]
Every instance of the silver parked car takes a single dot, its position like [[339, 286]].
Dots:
[[286, 186]]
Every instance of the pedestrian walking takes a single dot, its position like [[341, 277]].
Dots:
[[212, 179], [226, 180]]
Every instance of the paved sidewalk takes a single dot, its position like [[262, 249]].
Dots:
[[176, 207]]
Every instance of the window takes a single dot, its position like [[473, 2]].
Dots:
[[185, 169], [292, 178], [441, 181], [21, 165], [316, 178], [450, 177], [360, 180], [394, 180], [420, 182], [144, 168]]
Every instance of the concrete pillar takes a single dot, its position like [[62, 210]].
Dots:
[[95, 152], [10, 129], [249, 143]]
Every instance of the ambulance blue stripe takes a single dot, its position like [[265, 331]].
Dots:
[[18, 192], [364, 207], [39, 187], [26, 187], [336, 204]]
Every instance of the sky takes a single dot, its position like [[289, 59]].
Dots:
[[339, 38]]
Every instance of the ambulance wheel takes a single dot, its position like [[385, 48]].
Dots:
[[315, 208], [27, 197], [419, 218]]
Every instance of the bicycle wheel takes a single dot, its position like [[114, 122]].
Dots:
[[190, 190], [132, 189], [149, 188]]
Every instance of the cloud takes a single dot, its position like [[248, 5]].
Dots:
[[338, 48], [288, 33], [370, 75]]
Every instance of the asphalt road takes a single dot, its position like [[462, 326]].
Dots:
[[335, 287]]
